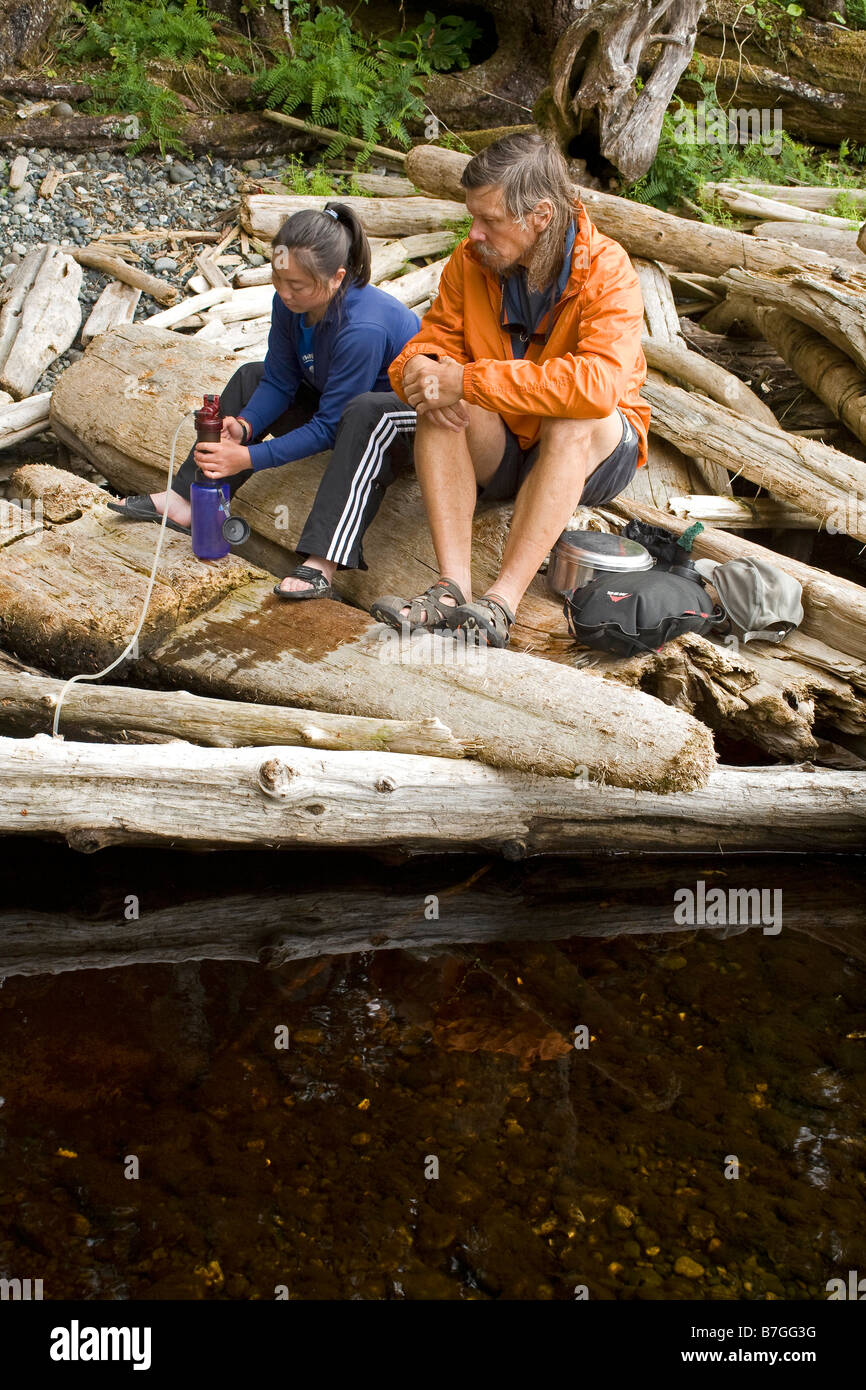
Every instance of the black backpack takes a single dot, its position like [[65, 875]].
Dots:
[[628, 614]]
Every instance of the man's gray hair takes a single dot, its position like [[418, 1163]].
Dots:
[[528, 168]]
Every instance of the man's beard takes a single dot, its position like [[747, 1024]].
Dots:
[[545, 260], [495, 261]]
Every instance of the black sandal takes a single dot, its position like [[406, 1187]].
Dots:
[[489, 615], [141, 508], [321, 587], [426, 613]]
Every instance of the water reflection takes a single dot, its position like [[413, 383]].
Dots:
[[309, 1167]]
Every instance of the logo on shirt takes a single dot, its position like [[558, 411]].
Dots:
[[615, 597]]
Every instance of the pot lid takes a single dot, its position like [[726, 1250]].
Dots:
[[603, 550]]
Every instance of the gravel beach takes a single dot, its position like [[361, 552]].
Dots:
[[102, 193]]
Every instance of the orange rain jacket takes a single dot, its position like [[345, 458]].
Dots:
[[591, 363]]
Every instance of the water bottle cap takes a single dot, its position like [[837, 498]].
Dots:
[[236, 530]]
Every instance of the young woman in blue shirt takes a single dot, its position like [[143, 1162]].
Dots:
[[323, 385]]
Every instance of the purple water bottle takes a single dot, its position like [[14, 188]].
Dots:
[[209, 497]]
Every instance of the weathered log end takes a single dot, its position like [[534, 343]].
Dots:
[[64, 496]]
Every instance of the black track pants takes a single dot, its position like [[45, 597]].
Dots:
[[373, 444]]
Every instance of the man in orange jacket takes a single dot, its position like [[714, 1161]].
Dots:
[[525, 375]]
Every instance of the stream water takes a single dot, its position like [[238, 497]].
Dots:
[[425, 1124]]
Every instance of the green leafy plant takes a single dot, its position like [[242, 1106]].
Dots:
[[364, 88], [680, 169], [771, 15], [129, 34], [847, 204], [321, 182], [855, 13], [177, 30]]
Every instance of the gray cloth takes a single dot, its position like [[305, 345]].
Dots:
[[762, 602]]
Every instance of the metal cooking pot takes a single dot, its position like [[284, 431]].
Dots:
[[579, 556]]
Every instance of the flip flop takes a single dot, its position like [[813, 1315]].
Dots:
[[489, 615], [427, 612], [141, 508], [321, 586]]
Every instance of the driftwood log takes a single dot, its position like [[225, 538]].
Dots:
[[839, 246], [813, 476], [417, 285], [262, 214], [741, 513], [39, 317], [184, 309], [724, 693], [745, 201], [824, 368], [96, 795], [123, 713], [677, 360], [233, 135], [788, 701], [158, 289], [760, 366], [810, 197], [836, 310], [24, 419], [74, 600], [116, 305]]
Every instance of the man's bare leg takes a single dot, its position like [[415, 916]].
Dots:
[[450, 465], [570, 451]]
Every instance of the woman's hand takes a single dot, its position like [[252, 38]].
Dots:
[[233, 431], [223, 459]]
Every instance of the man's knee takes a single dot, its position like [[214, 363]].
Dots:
[[561, 428]]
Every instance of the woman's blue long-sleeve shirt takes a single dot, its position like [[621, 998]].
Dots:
[[357, 339]]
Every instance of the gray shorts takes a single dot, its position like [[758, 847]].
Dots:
[[606, 482]]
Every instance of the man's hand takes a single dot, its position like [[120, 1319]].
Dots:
[[233, 430], [432, 385], [223, 459], [450, 417]]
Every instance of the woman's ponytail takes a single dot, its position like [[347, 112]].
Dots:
[[324, 241], [358, 255]]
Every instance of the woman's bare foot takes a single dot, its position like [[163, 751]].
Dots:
[[178, 507], [328, 568]]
